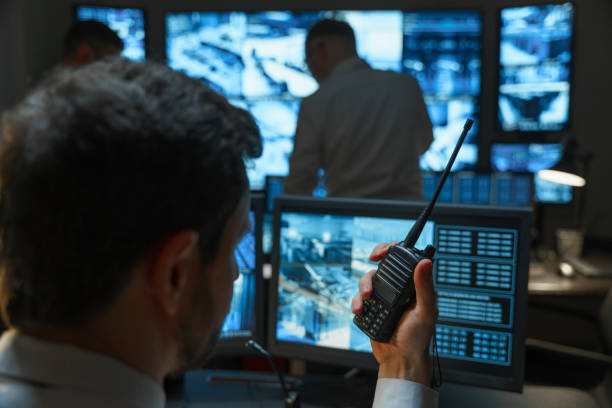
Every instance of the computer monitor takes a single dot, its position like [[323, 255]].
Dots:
[[129, 23], [442, 50], [525, 157], [245, 320], [511, 189], [256, 59], [549, 192], [532, 157], [430, 182], [321, 250], [473, 188], [535, 61]]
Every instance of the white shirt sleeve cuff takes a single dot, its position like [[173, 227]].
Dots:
[[397, 393]]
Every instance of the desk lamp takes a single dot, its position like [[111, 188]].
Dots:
[[571, 170]]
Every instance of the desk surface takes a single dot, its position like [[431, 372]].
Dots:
[[201, 391], [545, 280]]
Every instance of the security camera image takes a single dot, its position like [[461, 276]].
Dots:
[[524, 157], [128, 23], [257, 61], [322, 258], [442, 51], [535, 57], [240, 321]]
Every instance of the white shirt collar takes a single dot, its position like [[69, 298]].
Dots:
[[61, 365]]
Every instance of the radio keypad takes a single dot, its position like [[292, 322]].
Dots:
[[373, 315]]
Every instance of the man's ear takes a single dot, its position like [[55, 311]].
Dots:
[[172, 265]]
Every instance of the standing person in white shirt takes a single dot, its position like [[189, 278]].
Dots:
[[366, 128], [123, 194]]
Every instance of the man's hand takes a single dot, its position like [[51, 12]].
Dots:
[[406, 355]]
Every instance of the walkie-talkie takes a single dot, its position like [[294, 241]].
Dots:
[[393, 284]]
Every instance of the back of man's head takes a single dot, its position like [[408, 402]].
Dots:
[[96, 168], [92, 37], [332, 28]]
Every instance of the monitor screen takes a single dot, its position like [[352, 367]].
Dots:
[[524, 157], [473, 188], [430, 183], [442, 51], [512, 189], [480, 269], [129, 23], [529, 157], [256, 60], [549, 192], [535, 56], [244, 320]]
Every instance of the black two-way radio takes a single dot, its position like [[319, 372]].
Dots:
[[393, 284]]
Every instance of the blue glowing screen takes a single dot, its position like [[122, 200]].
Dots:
[[549, 192], [257, 61], [240, 321], [442, 51], [322, 257], [525, 157], [535, 59], [127, 22]]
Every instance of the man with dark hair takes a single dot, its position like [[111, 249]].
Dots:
[[123, 195], [366, 128], [87, 41]]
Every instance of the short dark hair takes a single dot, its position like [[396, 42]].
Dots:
[[97, 167], [333, 27], [93, 33]]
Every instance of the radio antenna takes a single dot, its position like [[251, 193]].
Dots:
[[416, 229]]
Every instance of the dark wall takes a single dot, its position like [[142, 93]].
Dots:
[[31, 34]]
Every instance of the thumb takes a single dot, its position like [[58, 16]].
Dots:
[[423, 284]]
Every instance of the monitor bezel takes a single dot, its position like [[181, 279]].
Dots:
[[99, 4], [535, 136], [364, 207], [235, 346]]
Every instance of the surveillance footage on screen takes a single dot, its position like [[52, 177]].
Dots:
[[257, 61], [240, 321], [535, 60], [322, 258], [128, 23]]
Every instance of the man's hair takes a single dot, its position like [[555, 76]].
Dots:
[[97, 167], [327, 27], [93, 33]]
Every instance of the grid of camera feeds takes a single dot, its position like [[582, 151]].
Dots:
[[322, 258], [257, 61], [535, 63], [127, 22], [240, 321]]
